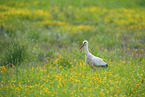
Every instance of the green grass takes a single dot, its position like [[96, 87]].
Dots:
[[40, 40]]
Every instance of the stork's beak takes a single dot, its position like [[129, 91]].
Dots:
[[81, 46]]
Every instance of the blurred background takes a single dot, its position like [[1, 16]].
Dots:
[[35, 30]]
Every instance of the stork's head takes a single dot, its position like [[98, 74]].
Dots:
[[85, 42]]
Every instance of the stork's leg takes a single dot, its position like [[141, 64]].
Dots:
[[92, 64]]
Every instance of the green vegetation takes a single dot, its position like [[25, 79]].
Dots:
[[40, 40]]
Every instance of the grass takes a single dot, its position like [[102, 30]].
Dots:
[[15, 54], [40, 43]]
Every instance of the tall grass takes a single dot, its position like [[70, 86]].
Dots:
[[14, 54]]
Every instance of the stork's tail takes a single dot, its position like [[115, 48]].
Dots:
[[103, 65], [106, 65]]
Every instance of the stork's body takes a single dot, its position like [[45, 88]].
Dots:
[[91, 59]]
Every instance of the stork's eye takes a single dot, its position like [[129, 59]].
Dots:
[[84, 42]]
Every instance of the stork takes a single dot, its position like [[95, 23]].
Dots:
[[91, 59]]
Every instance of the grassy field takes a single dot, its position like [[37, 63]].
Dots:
[[40, 40]]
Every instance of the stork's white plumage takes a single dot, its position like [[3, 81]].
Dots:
[[91, 59]]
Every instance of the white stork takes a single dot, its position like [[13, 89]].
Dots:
[[91, 59]]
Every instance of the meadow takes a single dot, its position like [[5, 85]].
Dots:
[[40, 40]]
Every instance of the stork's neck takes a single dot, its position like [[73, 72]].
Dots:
[[86, 50]]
